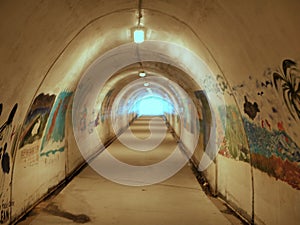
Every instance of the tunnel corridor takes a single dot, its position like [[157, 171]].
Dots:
[[178, 200], [215, 84]]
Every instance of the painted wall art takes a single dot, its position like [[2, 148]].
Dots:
[[53, 140], [6, 135], [274, 152], [271, 121], [7, 132], [234, 144], [36, 119], [287, 79], [105, 105], [83, 118]]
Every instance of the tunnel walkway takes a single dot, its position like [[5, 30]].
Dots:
[[91, 199]]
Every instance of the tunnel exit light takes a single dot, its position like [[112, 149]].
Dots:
[[153, 106], [138, 36]]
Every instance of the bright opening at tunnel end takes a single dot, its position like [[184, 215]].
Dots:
[[94, 79]]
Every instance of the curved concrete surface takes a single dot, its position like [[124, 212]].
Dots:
[[92, 199], [236, 60]]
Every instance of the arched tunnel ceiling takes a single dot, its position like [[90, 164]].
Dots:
[[165, 80], [129, 74], [60, 39], [251, 50], [47, 44]]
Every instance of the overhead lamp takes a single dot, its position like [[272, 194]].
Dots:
[[142, 74], [139, 36], [146, 84]]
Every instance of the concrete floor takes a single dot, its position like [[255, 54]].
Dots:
[[91, 199]]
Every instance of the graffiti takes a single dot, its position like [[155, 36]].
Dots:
[[235, 142], [274, 110], [4, 130], [260, 93], [105, 105], [265, 123], [7, 132], [274, 152], [97, 120], [93, 123], [251, 109], [83, 115], [236, 87], [5, 160], [267, 83], [9, 119], [30, 156], [280, 126], [210, 85], [36, 119], [289, 79], [53, 140], [5, 211], [263, 84], [223, 84], [4, 216]]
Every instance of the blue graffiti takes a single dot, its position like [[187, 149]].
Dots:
[[268, 143]]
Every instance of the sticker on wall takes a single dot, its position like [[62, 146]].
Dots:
[[53, 140]]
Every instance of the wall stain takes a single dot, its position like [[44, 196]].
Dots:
[[55, 211]]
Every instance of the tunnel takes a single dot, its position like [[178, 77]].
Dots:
[[216, 82]]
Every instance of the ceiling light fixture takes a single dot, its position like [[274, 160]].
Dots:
[[139, 36], [142, 74], [146, 84], [139, 31]]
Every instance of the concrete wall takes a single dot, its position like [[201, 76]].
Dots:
[[251, 47]]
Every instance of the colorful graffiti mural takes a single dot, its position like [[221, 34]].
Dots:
[[53, 140], [274, 149], [36, 119], [235, 141], [274, 152]]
